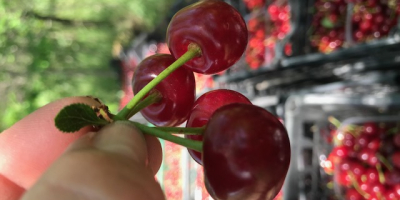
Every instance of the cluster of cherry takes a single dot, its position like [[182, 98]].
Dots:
[[209, 37], [370, 20], [365, 161]]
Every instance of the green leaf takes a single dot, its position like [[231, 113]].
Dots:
[[76, 116], [327, 23]]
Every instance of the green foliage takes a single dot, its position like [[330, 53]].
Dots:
[[50, 49]]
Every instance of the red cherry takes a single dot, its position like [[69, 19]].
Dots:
[[362, 141], [373, 197], [373, 160], [396, 140], [372, 176], [357, 169], [390, 194], [374, 144], [273, 11], [349, 140], [343, 178], [364, 154], [368, 16], [377, 188], [365, 187], [358, 35], [205, 106], [372, 3], [365, 25], [370, 128], [379, 18], [392, 177], [387, 147], [352, 194], [340, 152], [397, 189], [357, 18], [396, 159], [175, 105], [243, 160], [345, 164], [216, 27]]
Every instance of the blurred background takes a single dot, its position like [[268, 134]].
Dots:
[[329, 69], [53, 49]]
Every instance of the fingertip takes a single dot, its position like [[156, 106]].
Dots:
[[154, 151]]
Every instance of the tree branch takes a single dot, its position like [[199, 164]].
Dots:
[[67, 22]]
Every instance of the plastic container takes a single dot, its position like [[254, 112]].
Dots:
[[268, 23], [337, 24], [366, 157], [311, 171], [372, 20], [327, 31]]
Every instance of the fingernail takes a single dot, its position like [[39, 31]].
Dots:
[[122, 138]]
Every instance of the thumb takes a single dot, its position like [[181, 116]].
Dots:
[[124, 139], [109, 164]]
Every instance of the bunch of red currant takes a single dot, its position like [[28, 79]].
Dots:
[[244, 149], [365, 161]]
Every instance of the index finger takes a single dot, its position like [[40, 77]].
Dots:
[[29, 147]]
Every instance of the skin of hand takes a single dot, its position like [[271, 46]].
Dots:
[[39, 162]]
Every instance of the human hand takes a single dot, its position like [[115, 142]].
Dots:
[[118, 162]]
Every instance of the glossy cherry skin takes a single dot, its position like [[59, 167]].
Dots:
[[352, 194], [372, 176], [246, 153], [392, 177], [396, 159], [371, 128], [343, 178], [177, 90], [390, 195], [340, 152], [205, 106], [216, 27]]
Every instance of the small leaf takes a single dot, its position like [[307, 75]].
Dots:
[[76, 116], [327, 23]]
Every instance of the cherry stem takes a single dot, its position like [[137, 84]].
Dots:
[[180, 130], [380, 173], [357, 187], [105, 115], [334, 121], [154, 97], [392, 131], [192, 52], [385, 162], [191, 144]]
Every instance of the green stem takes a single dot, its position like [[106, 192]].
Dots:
[[380, 173], [154, 97], [334, 121], [357, 186], [179, 130], [385, 162], [191, 144], [193, 51]]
